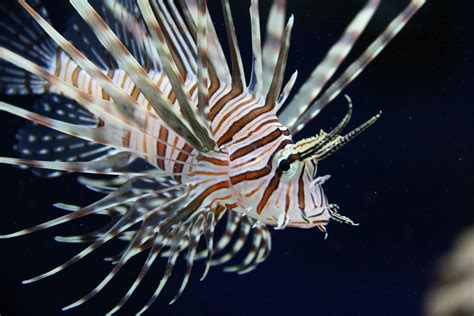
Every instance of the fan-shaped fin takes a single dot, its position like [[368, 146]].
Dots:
[[36, 142], [21, 35]]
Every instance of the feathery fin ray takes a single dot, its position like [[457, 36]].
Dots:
[[128, 63], [326, 69]]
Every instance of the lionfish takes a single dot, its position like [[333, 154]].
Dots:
[[142, 92]]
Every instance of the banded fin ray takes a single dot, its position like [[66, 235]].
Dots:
[[159, 242], [245, 228], [41, 143], [260, 251], [188, 109], [161, 105], [202, 72], [133, 248], [126, 104], [297, 123], [280, 67], [133, 216], [209, 231], [84, 40], [124, 18], [286, 91], [238, 72], [112, 135], [271, 48], [326, 69], [251, 255], [21, 35], [231, 226], [195, 234], [256, 82], [216, 53], [182, 55], [105, 110], [121, 196], [359, 64]]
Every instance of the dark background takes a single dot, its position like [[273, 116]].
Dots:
[[408, 181]]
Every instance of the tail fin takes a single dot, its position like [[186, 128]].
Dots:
[[20, 33]]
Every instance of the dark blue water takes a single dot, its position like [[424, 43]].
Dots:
[[408, 181]]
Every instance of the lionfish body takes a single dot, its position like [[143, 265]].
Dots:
[[152, 102]]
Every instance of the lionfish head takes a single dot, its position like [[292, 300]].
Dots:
[[296, 169]]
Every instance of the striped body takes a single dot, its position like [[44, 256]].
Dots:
[[249, 136], [153, 102]]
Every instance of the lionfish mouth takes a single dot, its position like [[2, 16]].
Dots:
[[332, 210]]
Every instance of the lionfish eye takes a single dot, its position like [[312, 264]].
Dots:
[[284, 165]]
